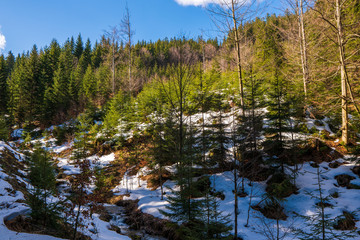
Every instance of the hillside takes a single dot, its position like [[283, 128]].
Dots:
[[138, 182], [252, 135]]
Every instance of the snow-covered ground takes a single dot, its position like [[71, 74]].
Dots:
[[302, 203], [150, 201], [10, 207]]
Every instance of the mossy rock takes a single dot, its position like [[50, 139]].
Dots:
[[335, 164], [271, 209], [318, 123], [114, 228], [280, 186], [356, 170], [343, 180], [345, 222], [201, 186], [105, 216]]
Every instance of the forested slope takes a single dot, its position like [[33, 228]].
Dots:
[[255, 136]]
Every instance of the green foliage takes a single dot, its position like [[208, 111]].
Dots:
[[119, 110], [280, 186], [4, 130], [81, 203], [3, 85], [63, 133], [42, 178]]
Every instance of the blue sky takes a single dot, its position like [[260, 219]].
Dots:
[[28, 22]]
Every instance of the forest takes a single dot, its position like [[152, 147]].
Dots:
[[255, 135]]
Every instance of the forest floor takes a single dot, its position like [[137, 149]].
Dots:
[[339, 177]]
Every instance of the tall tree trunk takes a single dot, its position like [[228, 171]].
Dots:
[[303, 48], [113, 68], [238, 53], [235, 175], [344, 89]]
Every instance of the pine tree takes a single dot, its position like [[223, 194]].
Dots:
[[10, 62], [43, 181], [82, 203], [85, 59], [96, 56], [49, 63], [183, 204], [4, 129], [219, 137], [14, 83], [278, 115], [217, 225], [79, 47], [103, 78], [57, 97], [3, 85], [320, 225], [32, 88], [164, 144], [89, 86]]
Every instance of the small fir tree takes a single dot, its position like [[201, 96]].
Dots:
[[42, 179]]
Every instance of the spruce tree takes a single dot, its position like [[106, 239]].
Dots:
[[89, 86], [164, 144], [96, 56], [15, 89], [3, 85], [81, 202], [79, 47], [10, 62], [43, 181], [217, 225], [278, 115], [219, 137], [85, 59], [320, 225], [57, 97], [32, 87]]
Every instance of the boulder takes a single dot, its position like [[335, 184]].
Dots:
[[343, 180]]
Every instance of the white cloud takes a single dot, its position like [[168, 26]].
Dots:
[[2, 42], [195, 2]]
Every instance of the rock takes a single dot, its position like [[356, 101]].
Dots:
[[314, 164], [105, 216], [356, 170], [280, 186], [343, 180], [271, 210], [335, 164], [345, 222], [114, 228]]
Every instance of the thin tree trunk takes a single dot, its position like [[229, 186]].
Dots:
[[321, 205], [344, 91], [113, 67], [76, 222], [238, 54], [235, 174], [303, 49]]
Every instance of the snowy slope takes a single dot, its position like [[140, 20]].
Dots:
[[10, 208], [302, 203]]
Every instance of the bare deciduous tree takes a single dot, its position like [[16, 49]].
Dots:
[[113, 37], [333, 14], [127, 34], [228, 16]]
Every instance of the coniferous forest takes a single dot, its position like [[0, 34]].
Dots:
[[255, 135]]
